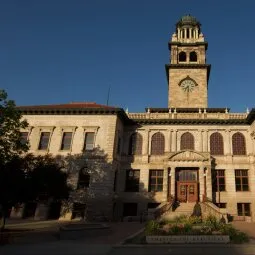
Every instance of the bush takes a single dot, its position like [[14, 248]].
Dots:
[[213, 222], [235, 235], [197, 210], [152, 228]]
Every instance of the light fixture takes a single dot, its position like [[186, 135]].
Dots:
[[131, 174]]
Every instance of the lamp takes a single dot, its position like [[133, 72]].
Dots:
[[130, 174]]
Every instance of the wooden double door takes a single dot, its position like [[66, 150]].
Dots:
[[187, 191]]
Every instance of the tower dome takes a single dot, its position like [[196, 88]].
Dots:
[[187, 30], [188, 20]]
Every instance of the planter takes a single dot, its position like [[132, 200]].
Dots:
[[187, 239]]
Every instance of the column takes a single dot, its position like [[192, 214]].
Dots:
[[168, 143], [173, 140], [205, 141], [173, 181], [190, 33], [149, 143], [201, 183], [248, 140], [209, 182], [165, 184], [196, 33], [227, 143], [146, 143], [185, 33], [178, 33], [201, 140]]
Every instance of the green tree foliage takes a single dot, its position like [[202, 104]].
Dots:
[[10, 125]]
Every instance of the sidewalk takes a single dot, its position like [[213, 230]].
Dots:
[[56, 248], [246, 227]]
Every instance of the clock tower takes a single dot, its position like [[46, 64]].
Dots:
[[187, 73]]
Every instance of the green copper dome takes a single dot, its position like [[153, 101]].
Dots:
[[188, 20]]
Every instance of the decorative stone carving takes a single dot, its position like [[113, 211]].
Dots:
[[188, 156]]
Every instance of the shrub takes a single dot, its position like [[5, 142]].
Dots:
[[180, 219], [213, 222], [235, 235], [194, 220], [197, 210], [152, 228]]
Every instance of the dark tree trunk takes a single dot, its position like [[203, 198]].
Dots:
[[2, 218]]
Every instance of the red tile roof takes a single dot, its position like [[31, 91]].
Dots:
[[72, 105]]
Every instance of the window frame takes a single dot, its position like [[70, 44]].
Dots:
[[184, 144], [62, 141], [157, 176], [84, 184], [24, 140], [135, 144], [243, 209], [132, 183], [159, 149], [216, 145], [237, 148], [216, 187], [39, 147], [181, 55], [241, 177], [85, 139]]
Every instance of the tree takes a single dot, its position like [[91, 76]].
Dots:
[[45, 178], [10, 125], [32, 178], [11, 146]]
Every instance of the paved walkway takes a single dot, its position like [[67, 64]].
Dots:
[[247, 227], [45, 241]]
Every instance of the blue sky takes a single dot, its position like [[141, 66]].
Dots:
[[58, 51]]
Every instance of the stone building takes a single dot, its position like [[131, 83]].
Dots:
[[137, 161]]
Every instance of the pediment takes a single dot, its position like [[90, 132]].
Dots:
[[188, 156]]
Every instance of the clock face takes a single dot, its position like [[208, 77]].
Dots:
[[188, 85]]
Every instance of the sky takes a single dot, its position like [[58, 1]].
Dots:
[[62, 51]]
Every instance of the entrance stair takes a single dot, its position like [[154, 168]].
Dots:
[[181, 209]]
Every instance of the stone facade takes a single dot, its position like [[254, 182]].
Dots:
[[113, 154]]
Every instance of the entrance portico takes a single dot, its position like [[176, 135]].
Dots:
[[189, 176]]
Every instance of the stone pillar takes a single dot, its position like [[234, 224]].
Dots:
[[201, 140], [228, 143], [17, 212], [209, 182], [205, 141], [190, 33], [173, 181], [201, 183], [149, 142], [168, 143], [185, 33], [146, 143], [173, 140], [178, 33], [41, 212], [165, 184]]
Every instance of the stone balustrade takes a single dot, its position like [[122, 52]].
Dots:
[[173, 115]]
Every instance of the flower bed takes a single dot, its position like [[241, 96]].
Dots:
[[209, 230], [191, 229]]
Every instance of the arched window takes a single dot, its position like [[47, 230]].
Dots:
[[135, 144], [193, 56], [84, 179], [216, 144], [187, 141], [238, 144], [157, 144], [182, 56]]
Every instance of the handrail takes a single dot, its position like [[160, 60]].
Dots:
[[209, 208], [161, 209]]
